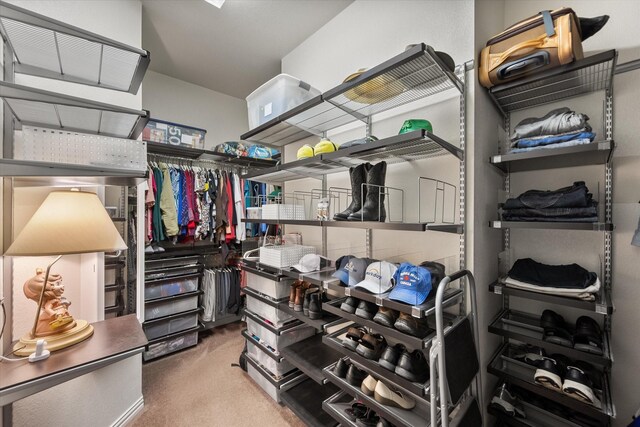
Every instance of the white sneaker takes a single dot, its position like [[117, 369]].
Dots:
[[386, 396]]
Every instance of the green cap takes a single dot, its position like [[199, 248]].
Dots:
[[415, 124]]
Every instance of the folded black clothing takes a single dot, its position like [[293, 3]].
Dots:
[[569, 276], [514, 218], [573, 196], [590, 211]]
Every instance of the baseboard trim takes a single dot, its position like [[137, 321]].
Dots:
[[130, 413]]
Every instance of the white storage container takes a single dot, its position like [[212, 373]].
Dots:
[[170, 287], [284, 256], [285, 338], [278, 95], [160, 328], [154, 310], [271, 385], [278, 369], [170, 345], [283, 211], [273, 288], [254, 213], [272, 314]]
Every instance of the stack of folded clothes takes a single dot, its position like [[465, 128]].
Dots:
[[568, 204], [570, 280], [558, 128]]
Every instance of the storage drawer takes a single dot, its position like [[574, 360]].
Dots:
[[165, 326], [170, 287], [267, 311], [170, 345], [110, 298], [279, 339], [164, 263], [169, 272], [277, 369], [173, 305], [268, 284], [271, 385]]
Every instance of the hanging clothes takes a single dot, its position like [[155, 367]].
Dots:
[[168, 203]]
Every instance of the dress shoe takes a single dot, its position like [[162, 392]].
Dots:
[[366, 310], [355, 376], [369, 385], [413, 326], [383, 394], [292, 293], [370, 419], [300, 293], [371, 346], [353, 337], [413, 366], [315, 305], [349, 305], [357, 410], [307, 299], [390, 356], [340, 369], [386, 317]]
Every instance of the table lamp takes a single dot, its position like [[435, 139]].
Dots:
[[67, 222]]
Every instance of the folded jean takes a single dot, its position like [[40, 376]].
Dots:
[[586, 294], [587, 212], [552, 139], [561, 120], [506, 217], [567, 276], [574, 196], [572, 143]]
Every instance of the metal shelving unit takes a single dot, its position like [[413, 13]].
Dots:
[[305, 400], [45, 47], [311, 356], [198, 154], [370, 225], [582, 77]]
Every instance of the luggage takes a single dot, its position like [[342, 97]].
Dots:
[[538, 43]]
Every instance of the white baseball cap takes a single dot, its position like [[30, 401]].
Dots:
[[378, 278], [308, 263]]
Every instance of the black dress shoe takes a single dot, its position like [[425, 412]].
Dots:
[[355, 376], [413, 326], [357, 410], [370, 419], [413, 366], [588, 336], [366, 310], [315, 305], [390, 356], [371, 346], [341, 368], [386, 317], [349, 305], [555, 329]]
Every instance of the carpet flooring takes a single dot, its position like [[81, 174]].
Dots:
[[199, 387]]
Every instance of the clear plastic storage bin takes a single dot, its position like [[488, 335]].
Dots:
[[278, 369], [285, 338], [154, 310], [272, 314], [170, 287], [278, 95], [272, 288], [170, 345], [159, 328]]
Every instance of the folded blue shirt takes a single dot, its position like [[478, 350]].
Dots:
[[539, 141]]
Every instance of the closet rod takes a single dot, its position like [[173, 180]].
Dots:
[[627, 66], [195, 162]]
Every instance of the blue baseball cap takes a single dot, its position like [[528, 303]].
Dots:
[[351, 270], [413, 284]]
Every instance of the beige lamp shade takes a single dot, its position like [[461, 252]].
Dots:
[[68, 222]]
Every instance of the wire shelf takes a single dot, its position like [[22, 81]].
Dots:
[[578, 78], [414, 74], [40, 108], [410, 146], [45, 47]]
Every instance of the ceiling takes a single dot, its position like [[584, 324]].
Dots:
[[234, 49]]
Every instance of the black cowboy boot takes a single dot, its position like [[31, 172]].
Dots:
[[358, 176], [373, 208]]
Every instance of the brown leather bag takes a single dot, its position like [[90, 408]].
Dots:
[[538, 43]]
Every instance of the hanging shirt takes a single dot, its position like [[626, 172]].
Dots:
[[241, 231], [149, 201], [158, 232], [168, 203]]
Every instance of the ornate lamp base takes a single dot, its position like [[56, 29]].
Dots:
[[80, 332]]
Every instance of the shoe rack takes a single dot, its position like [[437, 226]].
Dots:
[[586, 76], [422, 74]]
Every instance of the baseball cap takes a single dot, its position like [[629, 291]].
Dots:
[[351, 270], [413, 284], [355, 142], [378, 278], [308, 263], [415, 124]]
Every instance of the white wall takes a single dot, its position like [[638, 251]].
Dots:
[[622, 33], [122, 21], [223, 116]]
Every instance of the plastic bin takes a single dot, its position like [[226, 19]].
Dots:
[[278, 95], [285, 338], [284, 256], [273, 288], [283, 211], [170, 345], [173, 134], [274, 315], [159, 328], [154, 310], [170, 287], [277, 369], [271, 385]]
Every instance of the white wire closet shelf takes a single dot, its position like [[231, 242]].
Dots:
[[35, 107], [45, 47]]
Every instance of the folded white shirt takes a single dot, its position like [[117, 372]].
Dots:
[[583, 294]]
